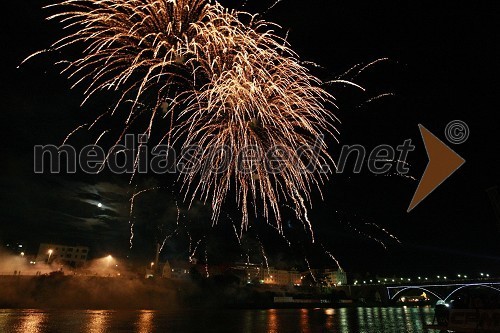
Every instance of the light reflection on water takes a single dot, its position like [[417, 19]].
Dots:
[[357, 320]]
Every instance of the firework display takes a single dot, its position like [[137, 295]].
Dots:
[[229, 85]]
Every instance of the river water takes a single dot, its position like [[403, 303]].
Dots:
[[353, 320]]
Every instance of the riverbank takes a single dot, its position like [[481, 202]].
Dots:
[[42, 292], [57, 291]]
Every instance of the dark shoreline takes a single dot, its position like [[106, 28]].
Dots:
[[101, 293]]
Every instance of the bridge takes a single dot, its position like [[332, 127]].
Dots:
[[388, 293], [441, 291]]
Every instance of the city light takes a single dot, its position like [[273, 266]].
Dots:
[[49, 252], [99, 205]]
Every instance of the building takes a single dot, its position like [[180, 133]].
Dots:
[[334, 278], [254, 274], [247, 272], [280, 277], [328, 277], [75, 256], [177, 270]]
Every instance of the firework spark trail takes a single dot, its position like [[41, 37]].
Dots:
[[273, 5], [100, 137], [346, 82], [401, 175], [363, 67], [310, 270], [131, 217], [265, 258], [364, 234], [376, 98], [226, 83], [237, 235], [332, 257], [264, 255], [193, 253], [73, 132], [97, 120], [370, 65], [33, 56], [384, 231], [167, 238], [206, 262], [312, 64]]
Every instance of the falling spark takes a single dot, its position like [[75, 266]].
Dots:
[[237, 235], [310, 270], [264, 255], [131, 213], [332, 257], [370, 65], [375, 239], [100, 137], [376, 98], [349, 83], [385, 231], [273, 5], [73, 132], [191, 257], [167, 238], [206, 263], [97, 120]]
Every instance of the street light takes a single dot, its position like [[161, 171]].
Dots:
[[50, 254], [152, 264]]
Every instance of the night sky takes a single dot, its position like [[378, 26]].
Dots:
[[441, 67]]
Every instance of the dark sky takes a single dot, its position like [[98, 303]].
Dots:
[[441, 67]]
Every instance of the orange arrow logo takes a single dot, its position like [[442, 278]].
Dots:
[[443, 162]]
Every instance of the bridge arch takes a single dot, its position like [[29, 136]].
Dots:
[[418, 288], [468, 286]]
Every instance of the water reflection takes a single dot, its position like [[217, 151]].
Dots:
[[272, 321], [145, 323], [304, 321], [32, 323], [346, 320], [97, 322], [329, 319]]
